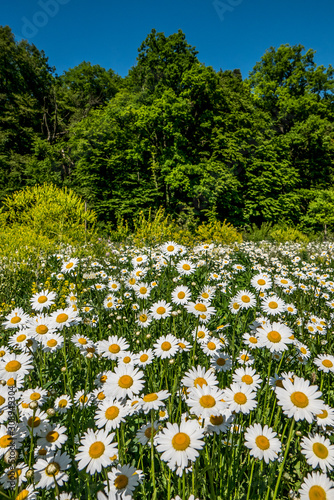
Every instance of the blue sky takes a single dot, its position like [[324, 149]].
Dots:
[[228, 34]]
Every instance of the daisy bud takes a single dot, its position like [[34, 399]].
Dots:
[[109, 326], [193, 283], [171, 361], [174, 313], [89, 355], [175, 280], [51, 469], [179, 311], [30, 473], [11, 456], [124, 317], [51, 412], [63, 369], [33, 405], [3, 382], [298, 433], [137, 341], [137, 333], [148, 336], [118, 317]]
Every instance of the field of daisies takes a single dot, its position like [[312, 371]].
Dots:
[[170, 373]]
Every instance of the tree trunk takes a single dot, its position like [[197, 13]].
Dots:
[[325, 231]]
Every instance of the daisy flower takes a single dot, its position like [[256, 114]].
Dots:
[[273, 305], [14, 366], [110, 414], [52, 342], [240, 398], [123, 480], [325, 363], [251, 340], [139, 260], [63, 403], [211, 346], [180, 444], [7, 440], [245, 358], [201, 334], [142, 290], [69, 265], [326, 417], [166, 347], [153, 401], [28, 493], [96, 451], [21, 340], [38, 394], [17, 318], [247, 376], [110, 302], [160, 310], [52, 469], [42, 300], [299, 399], [199, 377], [221, 361], [185, 267], [144, 434], [126, 381], [199, 308], [82, 398], [261, 282], [39, 326], [246, 299], [319, 452], [64, 317], [127, 358], [17, 474], [112, 347], [262, 442], [53, 437], [218, 423], [184, 345], [206, 401], [181, 295], [170, 248], [316, 486], [145, 357], [275, 336], [144, 319], [33, 421]]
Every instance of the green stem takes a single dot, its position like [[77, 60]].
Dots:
[[250, 480], [284, 459]]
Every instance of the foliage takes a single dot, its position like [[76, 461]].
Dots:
[[221, 233], [282, 234], [321, 209], [255, 233], [54, 213]]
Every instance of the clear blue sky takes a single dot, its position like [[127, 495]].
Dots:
[[109, 33]]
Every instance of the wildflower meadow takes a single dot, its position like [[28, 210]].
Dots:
[[169, 372]]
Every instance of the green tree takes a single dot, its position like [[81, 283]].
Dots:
[[321, 210]]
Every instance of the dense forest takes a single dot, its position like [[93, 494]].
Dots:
[[173, 133]]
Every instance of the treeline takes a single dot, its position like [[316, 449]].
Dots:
[[173, 133]]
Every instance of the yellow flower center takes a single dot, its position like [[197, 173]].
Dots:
[[262, 442], [42, 329], [166, 346], [240, 398], [299, 399], [273, 305], [51, 343], [284, 281], [323, 414], [2, 353], [211, 345], [236, 306], [320, 450], [42, 299], [261, 282], [143, 318], [316, 492], [112, 412], [200, 381], [83, 399], [121, 481], [35, 396], [2, 400], [69, 265], [34, 422], [15, 320], [200, 307], [207, 401], [244, 357], [148, 432], [221, 361], [290, 309], [200, 334], [182, 345], [303, 350], [247, 379], [216, 419], [52, 436], [100, 396], [132, 281], [22, 495], [245, 299], [142, 290], [143, 358], [114, 348], [327, 363], [181, 441], [253, 340], [82, 341], [12, 366], [186, 267], [139, 259], [61, 318], [181, 295], [63, 403], [21, 338], [10, 382], [5, 441], [170, 248], [161, 310], [148, 398], [274, 337], [125, 381], [96, 449], [109, 304]]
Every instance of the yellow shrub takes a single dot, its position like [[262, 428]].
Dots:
[[217, 232], [284, 234]]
